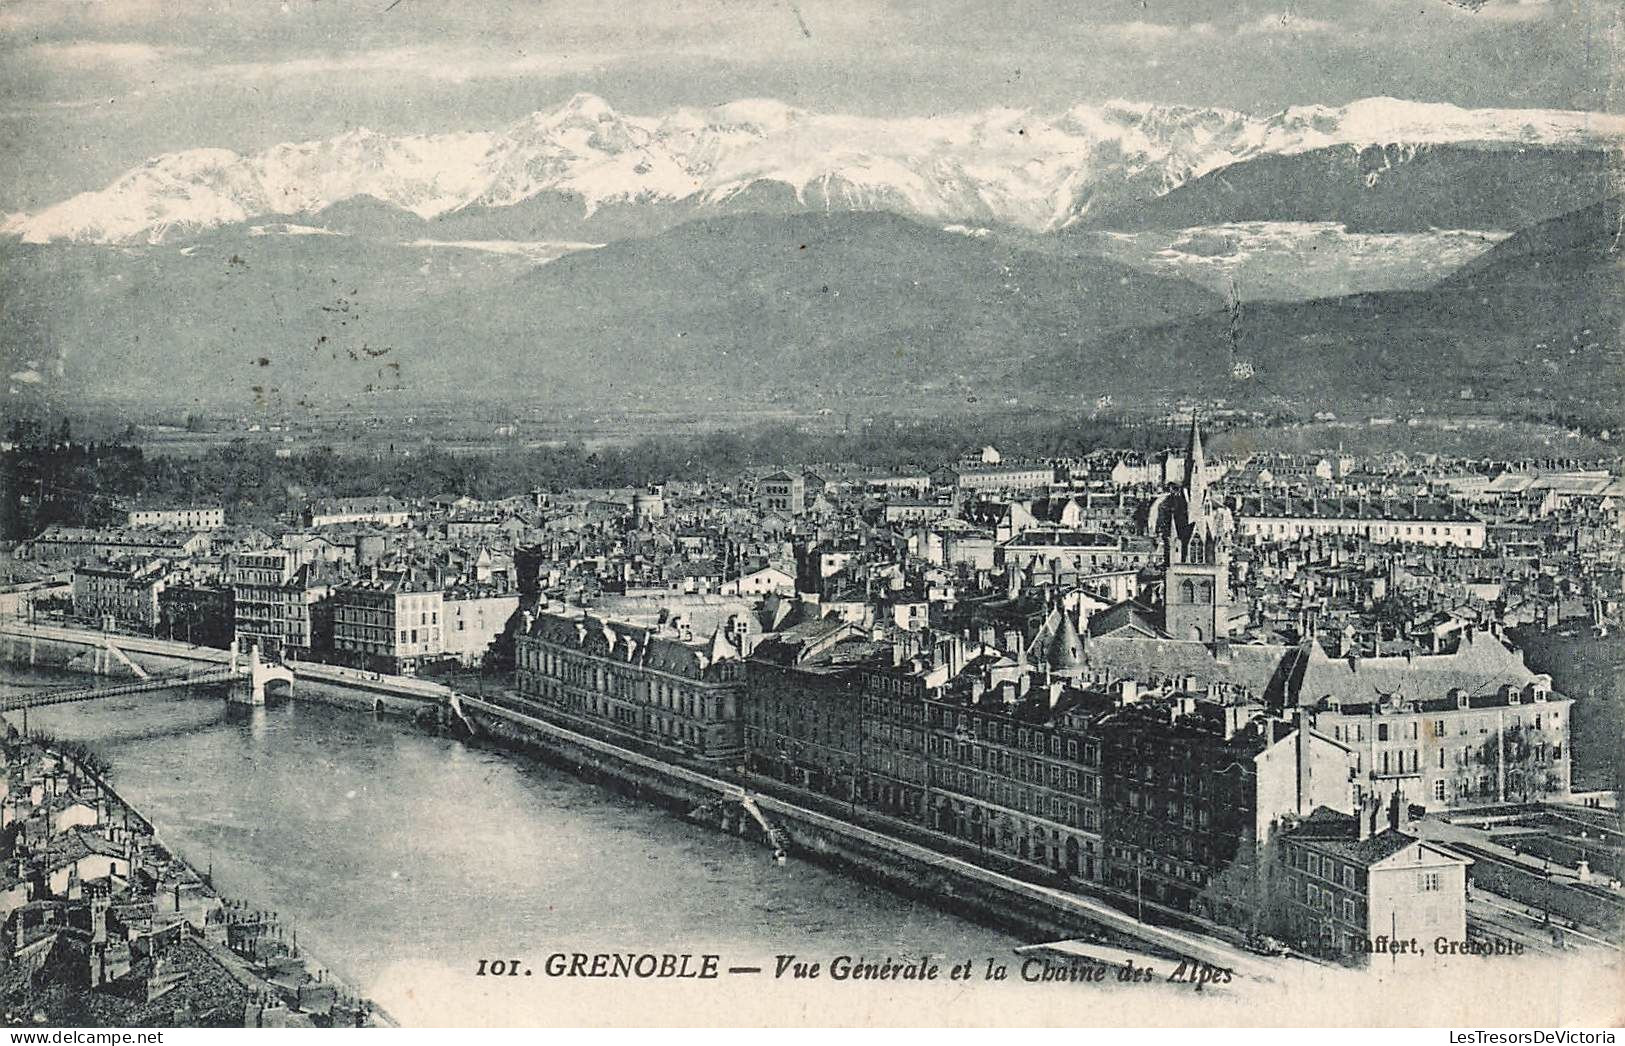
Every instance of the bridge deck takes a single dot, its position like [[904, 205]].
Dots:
[[72, 695]]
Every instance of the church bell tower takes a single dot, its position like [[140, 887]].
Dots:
[[1196, 589]]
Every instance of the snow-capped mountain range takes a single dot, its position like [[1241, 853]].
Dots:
[[999, 166]]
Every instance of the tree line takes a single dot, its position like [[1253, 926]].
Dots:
[[48, 477]]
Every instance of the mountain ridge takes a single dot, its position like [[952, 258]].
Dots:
[[1005, 166], [1536, 320]]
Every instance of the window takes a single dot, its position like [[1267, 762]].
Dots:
[[1382, 731], [1348, 910], [1438, 786], [1428, 882]]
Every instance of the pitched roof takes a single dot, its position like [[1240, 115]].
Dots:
[[1480, 663], [1339, 833]]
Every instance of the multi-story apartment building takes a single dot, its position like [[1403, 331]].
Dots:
[[89, 543], [384, 511], [912, 510], [475, 615], [1194, 793], [179, 517], [476, 529], [896, 765], [916, 483], [1405, 521], [630, 682], [1011, 476], [307, 611], [1018, 773], [1473, 726], [278, 603], [1345, 882], [917, 728], [124, 594], [804, 705], [256, 584], [1073, 551], [1159, 470], [389, 622]]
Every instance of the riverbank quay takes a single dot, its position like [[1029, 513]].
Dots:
[[105, 924], [959, 886], [893, 854]]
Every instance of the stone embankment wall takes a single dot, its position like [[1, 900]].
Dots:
[[1024, 909]]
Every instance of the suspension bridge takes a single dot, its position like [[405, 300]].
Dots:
[[252, 673]]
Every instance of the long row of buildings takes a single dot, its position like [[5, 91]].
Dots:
[[1142, 747], [1173, 794], [384, 619]]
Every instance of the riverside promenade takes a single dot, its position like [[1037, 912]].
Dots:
[[819, 833], [958, 885]]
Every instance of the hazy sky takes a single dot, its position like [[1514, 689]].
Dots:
[[90, 88]]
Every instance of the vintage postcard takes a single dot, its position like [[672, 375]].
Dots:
[[740, 513]]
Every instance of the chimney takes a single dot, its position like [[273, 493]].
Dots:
[[98, 915], [1395, 806], [1305, 763], [1235, 717], [1366, 816]]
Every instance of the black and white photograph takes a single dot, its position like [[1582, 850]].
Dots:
[[787, 514]]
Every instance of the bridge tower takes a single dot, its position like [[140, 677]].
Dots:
[[251, 690]]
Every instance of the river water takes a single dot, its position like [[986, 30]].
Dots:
[[402, 859]]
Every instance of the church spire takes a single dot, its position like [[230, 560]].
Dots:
[[1195, 473]]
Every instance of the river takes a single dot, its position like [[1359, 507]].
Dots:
[[403, 858]]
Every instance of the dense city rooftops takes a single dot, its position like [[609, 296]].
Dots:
[[1426, 510]]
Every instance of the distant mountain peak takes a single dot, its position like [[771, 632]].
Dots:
[[997, 166]]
